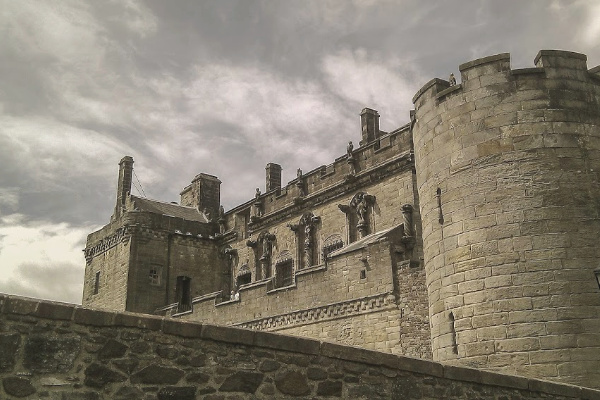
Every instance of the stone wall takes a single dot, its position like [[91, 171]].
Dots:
[[508, 169], [385, 310], [58, 351], [125, 251]]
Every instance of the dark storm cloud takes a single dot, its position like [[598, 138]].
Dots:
[[221, 87]]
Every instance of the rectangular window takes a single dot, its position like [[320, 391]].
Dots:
[[284, 273], [154, 275], [97, 283]]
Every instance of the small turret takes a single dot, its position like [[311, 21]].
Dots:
[[369, 123]]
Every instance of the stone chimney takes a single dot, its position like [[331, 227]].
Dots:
[[204, 194], [124, 184], [369, 123], [273, 180]]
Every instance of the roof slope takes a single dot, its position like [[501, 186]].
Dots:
[[174, 210]]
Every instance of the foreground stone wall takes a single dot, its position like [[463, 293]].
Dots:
[[508, 169], [58, 351]]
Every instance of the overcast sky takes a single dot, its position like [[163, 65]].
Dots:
[[222, 87]]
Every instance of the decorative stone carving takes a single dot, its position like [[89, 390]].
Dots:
[[350, 158], [221, 220], [300, 183], [258, 207], [122, 234], [331, 311], [452, 80], [408, 237], [361, 203]]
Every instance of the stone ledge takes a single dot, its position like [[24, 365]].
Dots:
[[448, 91], [559, 53], [61, 311], [528, 71]]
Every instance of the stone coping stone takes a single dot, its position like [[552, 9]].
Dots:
[[559, 53], [16, 305], [484, 60]]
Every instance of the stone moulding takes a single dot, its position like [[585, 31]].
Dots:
[[122, 234], [343, 309]]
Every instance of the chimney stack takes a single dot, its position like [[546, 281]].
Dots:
[[369, 123], [273, 180], [204, 194], [124, 184]]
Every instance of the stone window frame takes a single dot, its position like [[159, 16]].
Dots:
[[154, 275]]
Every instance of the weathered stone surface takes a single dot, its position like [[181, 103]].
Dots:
[[197, 377], [127, 365], [269, 366], [177, 393], [330, 388], [293, 383], [157, 374], [129, 393], [241, 381], [112, 349], [47, 353], [316, 374], [98, 376], [80, 396], [9, 343], [18, 386]]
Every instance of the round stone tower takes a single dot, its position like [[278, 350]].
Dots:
[[508, 171]]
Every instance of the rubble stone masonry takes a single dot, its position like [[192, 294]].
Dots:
[[60, 351]]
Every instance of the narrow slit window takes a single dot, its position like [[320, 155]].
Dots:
[[97, 283]]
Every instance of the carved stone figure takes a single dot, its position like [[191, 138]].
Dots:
[[452, 80], [350, 159], [257, 204]]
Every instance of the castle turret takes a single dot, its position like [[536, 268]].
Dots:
[[508, 168], [124, 184], [204, 194]]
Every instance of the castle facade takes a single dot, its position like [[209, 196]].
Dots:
[[469, 235]]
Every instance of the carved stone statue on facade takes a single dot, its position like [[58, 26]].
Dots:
[[452, 80], [350, 158], [258, 212], [300, 183], [361, 203], [221, 220]]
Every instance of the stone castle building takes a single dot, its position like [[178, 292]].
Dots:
[[470, 235]]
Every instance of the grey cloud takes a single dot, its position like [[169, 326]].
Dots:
[[62, 282]]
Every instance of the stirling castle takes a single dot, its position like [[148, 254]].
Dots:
[[470, 235]]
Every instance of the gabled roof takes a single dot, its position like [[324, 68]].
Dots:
[[174, 210]]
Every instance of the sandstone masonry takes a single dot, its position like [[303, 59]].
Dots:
[[468, 235]]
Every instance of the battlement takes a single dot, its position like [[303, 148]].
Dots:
[[496, 70]]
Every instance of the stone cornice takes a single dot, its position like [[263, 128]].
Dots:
[[343, 309], [121, 235]]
